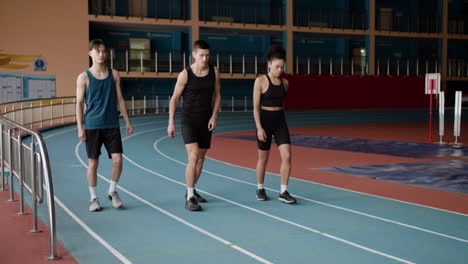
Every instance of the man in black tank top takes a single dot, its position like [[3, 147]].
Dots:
[[200, 87]]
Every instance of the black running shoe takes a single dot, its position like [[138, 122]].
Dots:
[[261, 195], [286, 197], [197, 196], [192, 204]]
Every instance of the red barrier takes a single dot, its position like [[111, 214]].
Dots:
[[355, 92]]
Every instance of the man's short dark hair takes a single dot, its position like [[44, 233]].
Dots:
[[95, 43], [200, 44]]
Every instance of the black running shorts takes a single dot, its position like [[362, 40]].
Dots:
[[110, 137], [274, 124], [195, 129]]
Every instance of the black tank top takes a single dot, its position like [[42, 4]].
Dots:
[[198, 93], [274, 96]]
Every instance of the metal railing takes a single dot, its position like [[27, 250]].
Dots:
[[251, 13], [457, 67], [24, 153], [330, 65], [408, 23], [406, 66], [165, 9], [319, 17], [175, 61]]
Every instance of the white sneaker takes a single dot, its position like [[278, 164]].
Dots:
[[116, 202], [94, 205]]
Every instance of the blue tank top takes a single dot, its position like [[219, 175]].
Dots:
[[101, 103], [274, 96]]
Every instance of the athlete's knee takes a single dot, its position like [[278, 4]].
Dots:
[[117, 161], [93, 163]]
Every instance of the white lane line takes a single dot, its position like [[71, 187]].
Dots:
[[230, 244], [269, 215], [112, 250], [318, 202]]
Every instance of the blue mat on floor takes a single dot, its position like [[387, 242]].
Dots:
[[449, 175], [392, 148]]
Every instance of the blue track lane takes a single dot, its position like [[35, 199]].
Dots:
[[328, 225]]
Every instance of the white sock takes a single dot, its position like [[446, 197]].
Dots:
[[260, 186], [190, 193], [112, 186], [92, 191], [284, 187]]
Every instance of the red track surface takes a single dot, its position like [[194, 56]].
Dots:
[[244, 153], [18, 245]]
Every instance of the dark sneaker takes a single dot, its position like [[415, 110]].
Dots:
[[192, 204], [261, 195], [197, 196], [286, 197]]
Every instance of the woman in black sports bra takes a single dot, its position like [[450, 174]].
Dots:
[[268, 99]]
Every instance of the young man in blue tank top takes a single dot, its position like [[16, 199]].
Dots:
[[268, 100], [99, 88], [200, 87]]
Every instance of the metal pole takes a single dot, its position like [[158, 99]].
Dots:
[[183, 60], [155, 61], [341, 65], [398, 67], [10, 165], [2, 164], [388, 66], [157, 105], [133, 105], [170, 61], [141, 61], [126, 60], [352, 66], [20, 174], [256, 71], [407, 67], [51, 113], [308, 65], [243, 64], [31, 114], [230, 63], [331, 65], [217, 60], [33, 188], [112, 58], [144, 105], [417, 66], [232, 104], [320, 65], [297, 64], [63, 111], [378, 67]]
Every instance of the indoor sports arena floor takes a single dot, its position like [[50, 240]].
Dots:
[[360, 199]]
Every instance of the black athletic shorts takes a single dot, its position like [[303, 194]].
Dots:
[[195, 129], [274, 124], [110, 137]]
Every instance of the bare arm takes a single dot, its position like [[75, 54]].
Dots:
[[256, 108], [121, 102], [216, 103], [81, 84], [178, 89]]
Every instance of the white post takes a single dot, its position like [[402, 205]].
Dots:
[[457, 118], [144, 105], [243, 64], [331, 66], [170, 61], [217, 60], [308, 65], [230, 63], [183, 60], [441, 116]]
